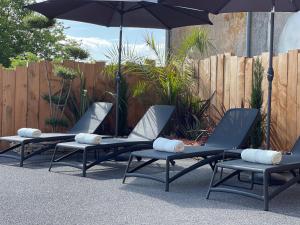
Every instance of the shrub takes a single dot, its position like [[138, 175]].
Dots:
[[65, 73], [38, 22], [256, 103]]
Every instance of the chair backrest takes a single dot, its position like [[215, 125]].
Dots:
[[296, 148], [234, 128], [92, 118], [153, 122]]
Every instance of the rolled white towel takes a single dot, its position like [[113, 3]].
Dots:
[[91, 139], [261, 156], [29, 132], [167, 145]]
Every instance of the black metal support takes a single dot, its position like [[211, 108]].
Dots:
[[119, 74], [168, 179], [84, 160], [270, 76], [266, 195], [167, 175], [266, 191], [127, 168]]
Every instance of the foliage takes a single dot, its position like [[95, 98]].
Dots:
[[23, 59], [55, 122], [75, 52], [56, 100], [172, 81], [256, 102], [65, 73], [196, 42], [34, 21], [79, 106], [17, 38]]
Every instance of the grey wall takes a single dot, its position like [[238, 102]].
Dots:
[[228, 34]]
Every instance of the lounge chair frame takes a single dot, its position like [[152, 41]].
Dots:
[[115, 147], [208, 157], [50, 140], [210, 153], [289, 164]]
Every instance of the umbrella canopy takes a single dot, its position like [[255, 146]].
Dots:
[[228, 6], [128, 13], [109, 13]]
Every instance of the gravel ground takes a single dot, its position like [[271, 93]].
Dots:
[[32, 195]]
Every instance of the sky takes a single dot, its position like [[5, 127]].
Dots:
[[98, 40]]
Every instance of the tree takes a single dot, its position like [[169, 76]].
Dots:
[[18, 36]]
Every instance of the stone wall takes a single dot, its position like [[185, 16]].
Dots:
[[228, 34]]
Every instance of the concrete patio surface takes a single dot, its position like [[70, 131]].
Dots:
[[33, 196]]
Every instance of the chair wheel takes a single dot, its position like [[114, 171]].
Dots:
[[173, 162]]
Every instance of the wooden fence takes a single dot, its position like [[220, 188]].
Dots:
[[22, 91], [226, 75], [230, 78]]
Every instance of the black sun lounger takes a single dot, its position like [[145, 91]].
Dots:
[[232, 132], [142, 136], [289, 163], [88, 123]]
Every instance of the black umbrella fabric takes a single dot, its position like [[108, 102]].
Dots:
[[126, 13], [109, 13], [226, 6], [229, 6]]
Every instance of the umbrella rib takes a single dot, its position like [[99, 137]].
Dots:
[[176, 8], [155, 16]]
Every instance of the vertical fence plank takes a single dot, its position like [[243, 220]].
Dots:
[[204, 78], [292, 97], [9, 85], [90, 78], [220, 82], [33, 94], [1, 98], [248, 81], [103, 84], [282, 97], [201, 77], [265, 63], [213, 84], [274, 128], [227, 74], [233, 81], [298, 96], [21, 98], [241, 83]]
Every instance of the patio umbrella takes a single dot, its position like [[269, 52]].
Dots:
[[126, 13], [228, 6]]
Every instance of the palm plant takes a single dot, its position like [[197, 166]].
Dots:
[[174, 83]]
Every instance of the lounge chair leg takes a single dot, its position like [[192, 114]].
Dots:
[[221, 173], [127, 169], [167, 175], [266, 191], [84, 163], [53, 158], [22, 154], [212, 181]]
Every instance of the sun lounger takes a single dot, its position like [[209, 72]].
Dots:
[[88, 123], [288, 164], [231, 133], [142, 136]]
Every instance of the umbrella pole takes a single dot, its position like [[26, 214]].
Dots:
[[119, 74], [270, 76]]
